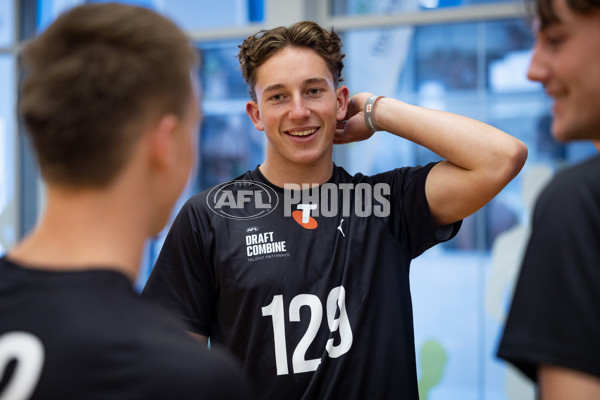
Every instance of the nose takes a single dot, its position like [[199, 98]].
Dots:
[[298, 110], [539, 70]]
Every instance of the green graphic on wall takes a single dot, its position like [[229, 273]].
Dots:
[[433, 358]]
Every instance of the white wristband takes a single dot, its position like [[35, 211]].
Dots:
[[370, 115]]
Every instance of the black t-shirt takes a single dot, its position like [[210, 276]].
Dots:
[[555, 313], [311, 293], [88, 335]]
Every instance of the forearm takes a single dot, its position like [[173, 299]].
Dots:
[[480, 159], [463, 141]]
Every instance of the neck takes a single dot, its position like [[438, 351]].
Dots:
[[279, 172], [86, 229]]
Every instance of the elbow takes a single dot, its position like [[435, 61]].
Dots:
[[506, 166], [518, 157], [514, 159]]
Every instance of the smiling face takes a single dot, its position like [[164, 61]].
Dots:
[[298, 107], [566, 61]]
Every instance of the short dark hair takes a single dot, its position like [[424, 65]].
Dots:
[[256, 49], [544, 9], [95, 77]]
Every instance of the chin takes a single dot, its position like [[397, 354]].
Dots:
[[158, 225], [304, 160], [559, 131], [308, 158], [576, 130]]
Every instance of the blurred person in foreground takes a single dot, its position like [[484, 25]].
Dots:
[[553, 329], [112, 111]]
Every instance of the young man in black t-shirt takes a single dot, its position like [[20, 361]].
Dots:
[[301, 269], [112, 111], [552, 333]]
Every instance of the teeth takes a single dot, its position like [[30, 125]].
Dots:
[[303, 133]]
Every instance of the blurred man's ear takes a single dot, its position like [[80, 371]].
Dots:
[[597, 144], [160, 139]]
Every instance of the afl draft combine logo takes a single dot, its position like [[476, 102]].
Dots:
[[242, 200]]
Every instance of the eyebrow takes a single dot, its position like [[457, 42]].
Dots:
[[545, 25], [315, 80], [309, 81], [276, 86]]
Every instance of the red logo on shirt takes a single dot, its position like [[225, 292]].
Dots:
[[310, 223]]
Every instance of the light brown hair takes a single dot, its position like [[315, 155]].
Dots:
[[544, 9], [94, 77], [256, 49]]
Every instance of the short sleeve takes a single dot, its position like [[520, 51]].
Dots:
[[410, 218]]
